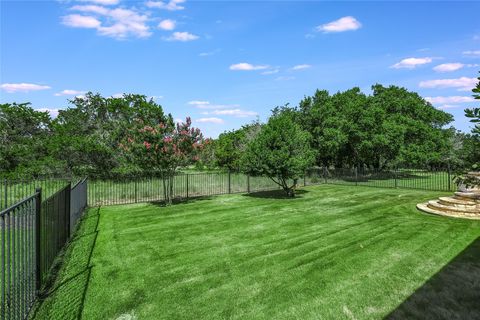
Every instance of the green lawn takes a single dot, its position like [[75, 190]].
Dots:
[[334, 252]]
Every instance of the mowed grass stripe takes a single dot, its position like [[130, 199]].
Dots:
[[334, 252]]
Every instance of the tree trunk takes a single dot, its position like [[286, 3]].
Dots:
[[171, 189], [290, 191], [164, 188]]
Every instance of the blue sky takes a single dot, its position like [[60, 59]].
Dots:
[[225, 63]]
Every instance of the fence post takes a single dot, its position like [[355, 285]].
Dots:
[[248, 183], [5, 205], [135, 184], [229, 182], [68, 202], [449, 177], [325, 174], [395, 177], [187, 186], [356, 176], [38, 255], [305, 178]]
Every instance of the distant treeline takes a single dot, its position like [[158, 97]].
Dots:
[[390, 127]]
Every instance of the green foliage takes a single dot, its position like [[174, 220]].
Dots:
[[474, 114], [392, 125], [163, 148], [88, 134], [280, 151], [230, 145], [83, 140], [227, 149], [206, 156], [24, 137]]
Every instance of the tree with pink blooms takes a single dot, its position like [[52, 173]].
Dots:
[[164, 148]]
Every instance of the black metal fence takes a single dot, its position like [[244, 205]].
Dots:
[[18, 257], [14, 190], [33, 232], [133, 190], [434, 179], [78, 203]]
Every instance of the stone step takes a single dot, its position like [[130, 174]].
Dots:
[[425, 208], [436, 205], [467, 195], [454, 202]]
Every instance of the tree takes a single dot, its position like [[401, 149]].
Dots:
[[230, 145], [318, 116], [206, 155], [280, 151], [474, 115], [24, 136], [163, 148], [227, 149], [87, 134], [390, 126], [405, 128]]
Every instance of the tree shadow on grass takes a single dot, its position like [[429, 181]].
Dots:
[[64, 295], [180, 200], [379, 176], [452, 293], [275, 194]]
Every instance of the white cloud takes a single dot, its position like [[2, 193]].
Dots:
[[273, 71], [207, 105], [301, 67], [91, 9], [167, 24], [243, 66], [79, 21], [68, 92], [410, 63], [239, 113], [118, 23], [450, 99], [343, 24], [210, 53], [172, 5], [210, 120], [102, 2], [22, 87], [284, 78], [475, 53], [53, 112], [463, 83], [198, 103], [182, 36], [448, 67]]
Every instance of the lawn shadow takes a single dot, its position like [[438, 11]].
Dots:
[[452, 293], [378, 176], [180, 200], [275, 194], [63, 296]]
